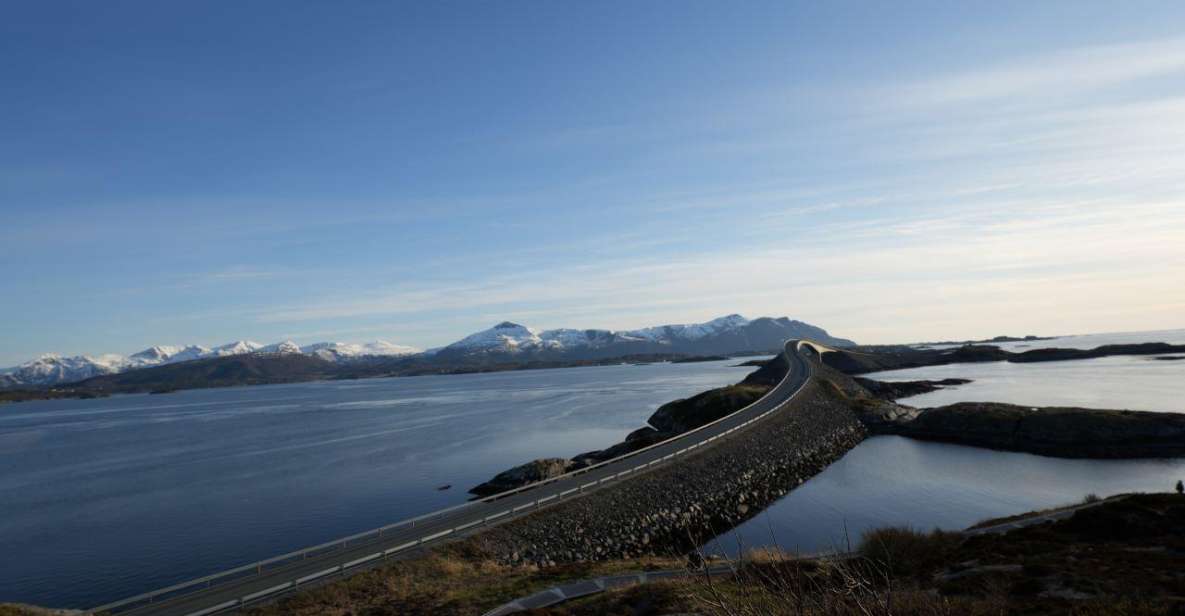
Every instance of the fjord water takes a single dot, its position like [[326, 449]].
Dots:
[[891, 480], [102, 499]]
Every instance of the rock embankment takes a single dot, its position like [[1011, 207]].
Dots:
[[1051, 431], [672, 508], [536, 470]]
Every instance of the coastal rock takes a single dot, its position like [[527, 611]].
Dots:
[[683, 415], [535, 470], [890, 390], [1053, 431]]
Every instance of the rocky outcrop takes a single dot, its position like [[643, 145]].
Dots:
[[672, 508], [887, 390], [535, 470], [1051, 431], [683, 415]]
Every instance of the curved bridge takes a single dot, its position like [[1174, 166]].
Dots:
[[270, 578]]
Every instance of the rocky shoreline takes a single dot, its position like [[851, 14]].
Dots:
[[672, 509], [893, 390], [867, 360], [1050, 431]]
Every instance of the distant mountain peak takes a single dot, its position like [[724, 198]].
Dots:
[[726, 334], [286, 346]]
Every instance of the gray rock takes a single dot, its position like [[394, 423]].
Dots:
[[536, 470]]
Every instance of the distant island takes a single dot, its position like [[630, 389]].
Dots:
[[862, 360], [997, 339]]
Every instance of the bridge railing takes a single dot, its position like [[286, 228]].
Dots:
[[259, 567]]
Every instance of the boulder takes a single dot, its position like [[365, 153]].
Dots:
[[535, 470]]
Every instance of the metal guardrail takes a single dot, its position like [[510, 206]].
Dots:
[[257, 568]]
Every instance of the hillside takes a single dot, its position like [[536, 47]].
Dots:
[[251, 369]]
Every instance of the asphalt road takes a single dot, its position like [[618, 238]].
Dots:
[[307, 570]]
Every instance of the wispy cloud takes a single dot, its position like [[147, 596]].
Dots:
[[1061, 73]]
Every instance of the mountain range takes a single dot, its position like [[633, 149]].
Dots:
[[505, 342]]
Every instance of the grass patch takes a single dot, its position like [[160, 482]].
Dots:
[[456, 579], [906, 552], [1086, 500]]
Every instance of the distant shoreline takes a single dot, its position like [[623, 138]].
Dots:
[[81, 390], [246, 370]]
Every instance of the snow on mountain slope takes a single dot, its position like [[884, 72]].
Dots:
[[728, 334], [238, 347], [50, 369], [722, 335], [505, 337], [55, 369], [286, 346], [578, 338], [336, 351], [692, 331], [154, 356]]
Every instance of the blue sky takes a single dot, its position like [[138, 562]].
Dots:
[[198, 173]]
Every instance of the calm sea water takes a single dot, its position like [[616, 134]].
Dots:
[[101, 499], [892, 480]]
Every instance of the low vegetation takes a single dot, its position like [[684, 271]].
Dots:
[[457, 579], [1122, 557], [1125, 556]]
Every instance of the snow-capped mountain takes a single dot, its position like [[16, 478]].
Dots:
[[693, 331], [157, 355], [728, 334], [238, 347], [338, 351], [51, 368], [286, 346], [54, 369]]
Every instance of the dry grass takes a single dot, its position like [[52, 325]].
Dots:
[[1086, 500], [905, 552], [453, 580]]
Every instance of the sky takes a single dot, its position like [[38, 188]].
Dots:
[[177, 173]]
